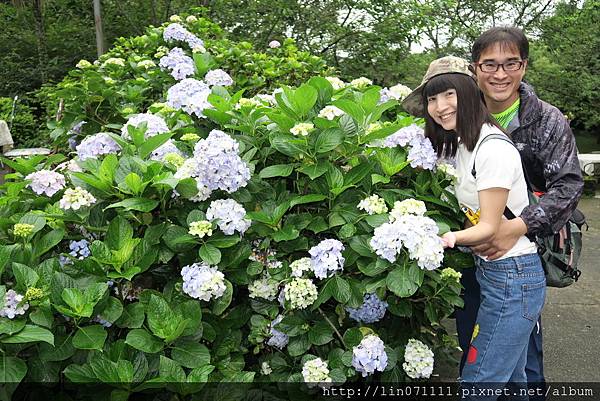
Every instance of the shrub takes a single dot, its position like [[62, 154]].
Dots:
[[286, 237], [25, 126]]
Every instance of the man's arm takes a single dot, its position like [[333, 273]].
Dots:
[[557, 151]]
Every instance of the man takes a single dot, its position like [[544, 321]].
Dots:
[[549, 155]]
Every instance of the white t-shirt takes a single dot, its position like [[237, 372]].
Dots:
[[498, 165]]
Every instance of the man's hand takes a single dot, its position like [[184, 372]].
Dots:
[[507, 236]]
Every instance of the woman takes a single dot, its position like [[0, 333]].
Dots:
[[491, 186]]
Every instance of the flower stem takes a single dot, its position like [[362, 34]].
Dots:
[[333, 327]]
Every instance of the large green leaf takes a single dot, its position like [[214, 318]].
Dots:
[[277, 170], [328, 140], [340, 289], [12, 369], [224, 300], [144, 341], [137, 204], [190, 354], [26, 277], [30, 334], [288, 145], [152, 143], [315, 170], [132, 317], [47, 242], [90, 337], [405, 280], [210, 254], [11, 326]]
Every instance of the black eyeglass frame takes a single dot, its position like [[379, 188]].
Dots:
[[498, 65]]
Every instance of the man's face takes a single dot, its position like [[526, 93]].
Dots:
[[500, 88]]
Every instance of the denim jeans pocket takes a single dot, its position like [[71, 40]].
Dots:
[[533, 299]]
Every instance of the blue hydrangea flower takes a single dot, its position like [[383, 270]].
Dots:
[[229, 214], [97, 145], [369, 356], [278, 339], [218, 77], [79, 249], [403, 136], [176, 32], [421, 153], [326, 258], [164, 149], [372, 310], [154, 125]]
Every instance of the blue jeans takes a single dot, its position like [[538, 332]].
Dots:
[[513, 291]]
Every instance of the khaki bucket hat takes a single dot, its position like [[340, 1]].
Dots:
[[413, 103]]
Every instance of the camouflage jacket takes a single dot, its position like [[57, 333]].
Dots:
[[549, 154]]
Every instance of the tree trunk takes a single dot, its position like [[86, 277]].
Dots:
[[42, 45], [99, 32]]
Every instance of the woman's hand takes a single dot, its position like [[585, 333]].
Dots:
[[449, 239]]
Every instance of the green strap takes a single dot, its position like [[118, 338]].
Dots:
[[505, 117]]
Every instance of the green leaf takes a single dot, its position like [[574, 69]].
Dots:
[[119, 233], [287, 233], [132, 317], [315, 170], [392, 160], [303, 99], [340, 289], [352, 109], [11, 326], [352, 337], [178, 239], [328, 140], [30, 334], [61, 351], [405, 280], [320, 334], [224, 300], [288, 144], [12, 369], [360, 245], [190, 354], [170, 370], [298, 345], [132, 184], [112, 311], [300, 200], [26, 277], [75, 298], [203, 62], [80, 374], [90, 337], [47, 242], [138, 204], [144, 341], [37, 221], [107, 169], [210, 254], [223, 241], [159, 316], [201, 374], [150, 144], [277, 170]]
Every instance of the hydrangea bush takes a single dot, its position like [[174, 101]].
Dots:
[[245, 252]]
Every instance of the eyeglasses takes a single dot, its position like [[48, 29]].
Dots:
[[493, 67]]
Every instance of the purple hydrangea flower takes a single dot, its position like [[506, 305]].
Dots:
[[97, 145], [403, 136], [189, 95], [46, 182], [326, 257], [180, 65], [229, 214], [164, 149], [372, 310], [13, 305], [176, 32], [421, 153]]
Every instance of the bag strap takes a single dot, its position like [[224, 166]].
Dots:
[[507, 212]]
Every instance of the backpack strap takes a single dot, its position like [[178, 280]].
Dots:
[[507, 212]]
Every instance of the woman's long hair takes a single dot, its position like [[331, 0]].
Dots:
[[471, 114]]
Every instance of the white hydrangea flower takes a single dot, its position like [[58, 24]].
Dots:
[[83, 64], [266, 98], [418, 234], [450, 274], [175, 18], [202, 281], [326, 258], [200, 228], [70, 165], [330, 112], [265, 369], [264, 287], [407, 206], [373, 205], [218, 77], [146, 64], [418, 360], [449, 170], [191, 18], [46, 182], [245, 102], [154, 125], [396, 92], [76, 199], [300, 293], [336, 83], [115, 61], [229, 215], [369, 356], [300, 266], [316, 373], [302, 129], [274, 44], [361, 82]]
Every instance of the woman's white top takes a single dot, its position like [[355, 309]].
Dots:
[[498, 165]]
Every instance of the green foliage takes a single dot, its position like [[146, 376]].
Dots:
[[23, 123], [123, 312]]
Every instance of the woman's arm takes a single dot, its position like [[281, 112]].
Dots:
[[492, 202]]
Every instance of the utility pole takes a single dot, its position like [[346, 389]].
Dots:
[[99, 32]]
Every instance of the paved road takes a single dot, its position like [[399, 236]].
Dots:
[[571, 315]]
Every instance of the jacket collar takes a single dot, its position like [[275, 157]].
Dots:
[[531, 109]]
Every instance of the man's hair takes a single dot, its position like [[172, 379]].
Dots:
[[471, 114], [506, 36]]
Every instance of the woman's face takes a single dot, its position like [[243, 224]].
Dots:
[[442, 108]]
